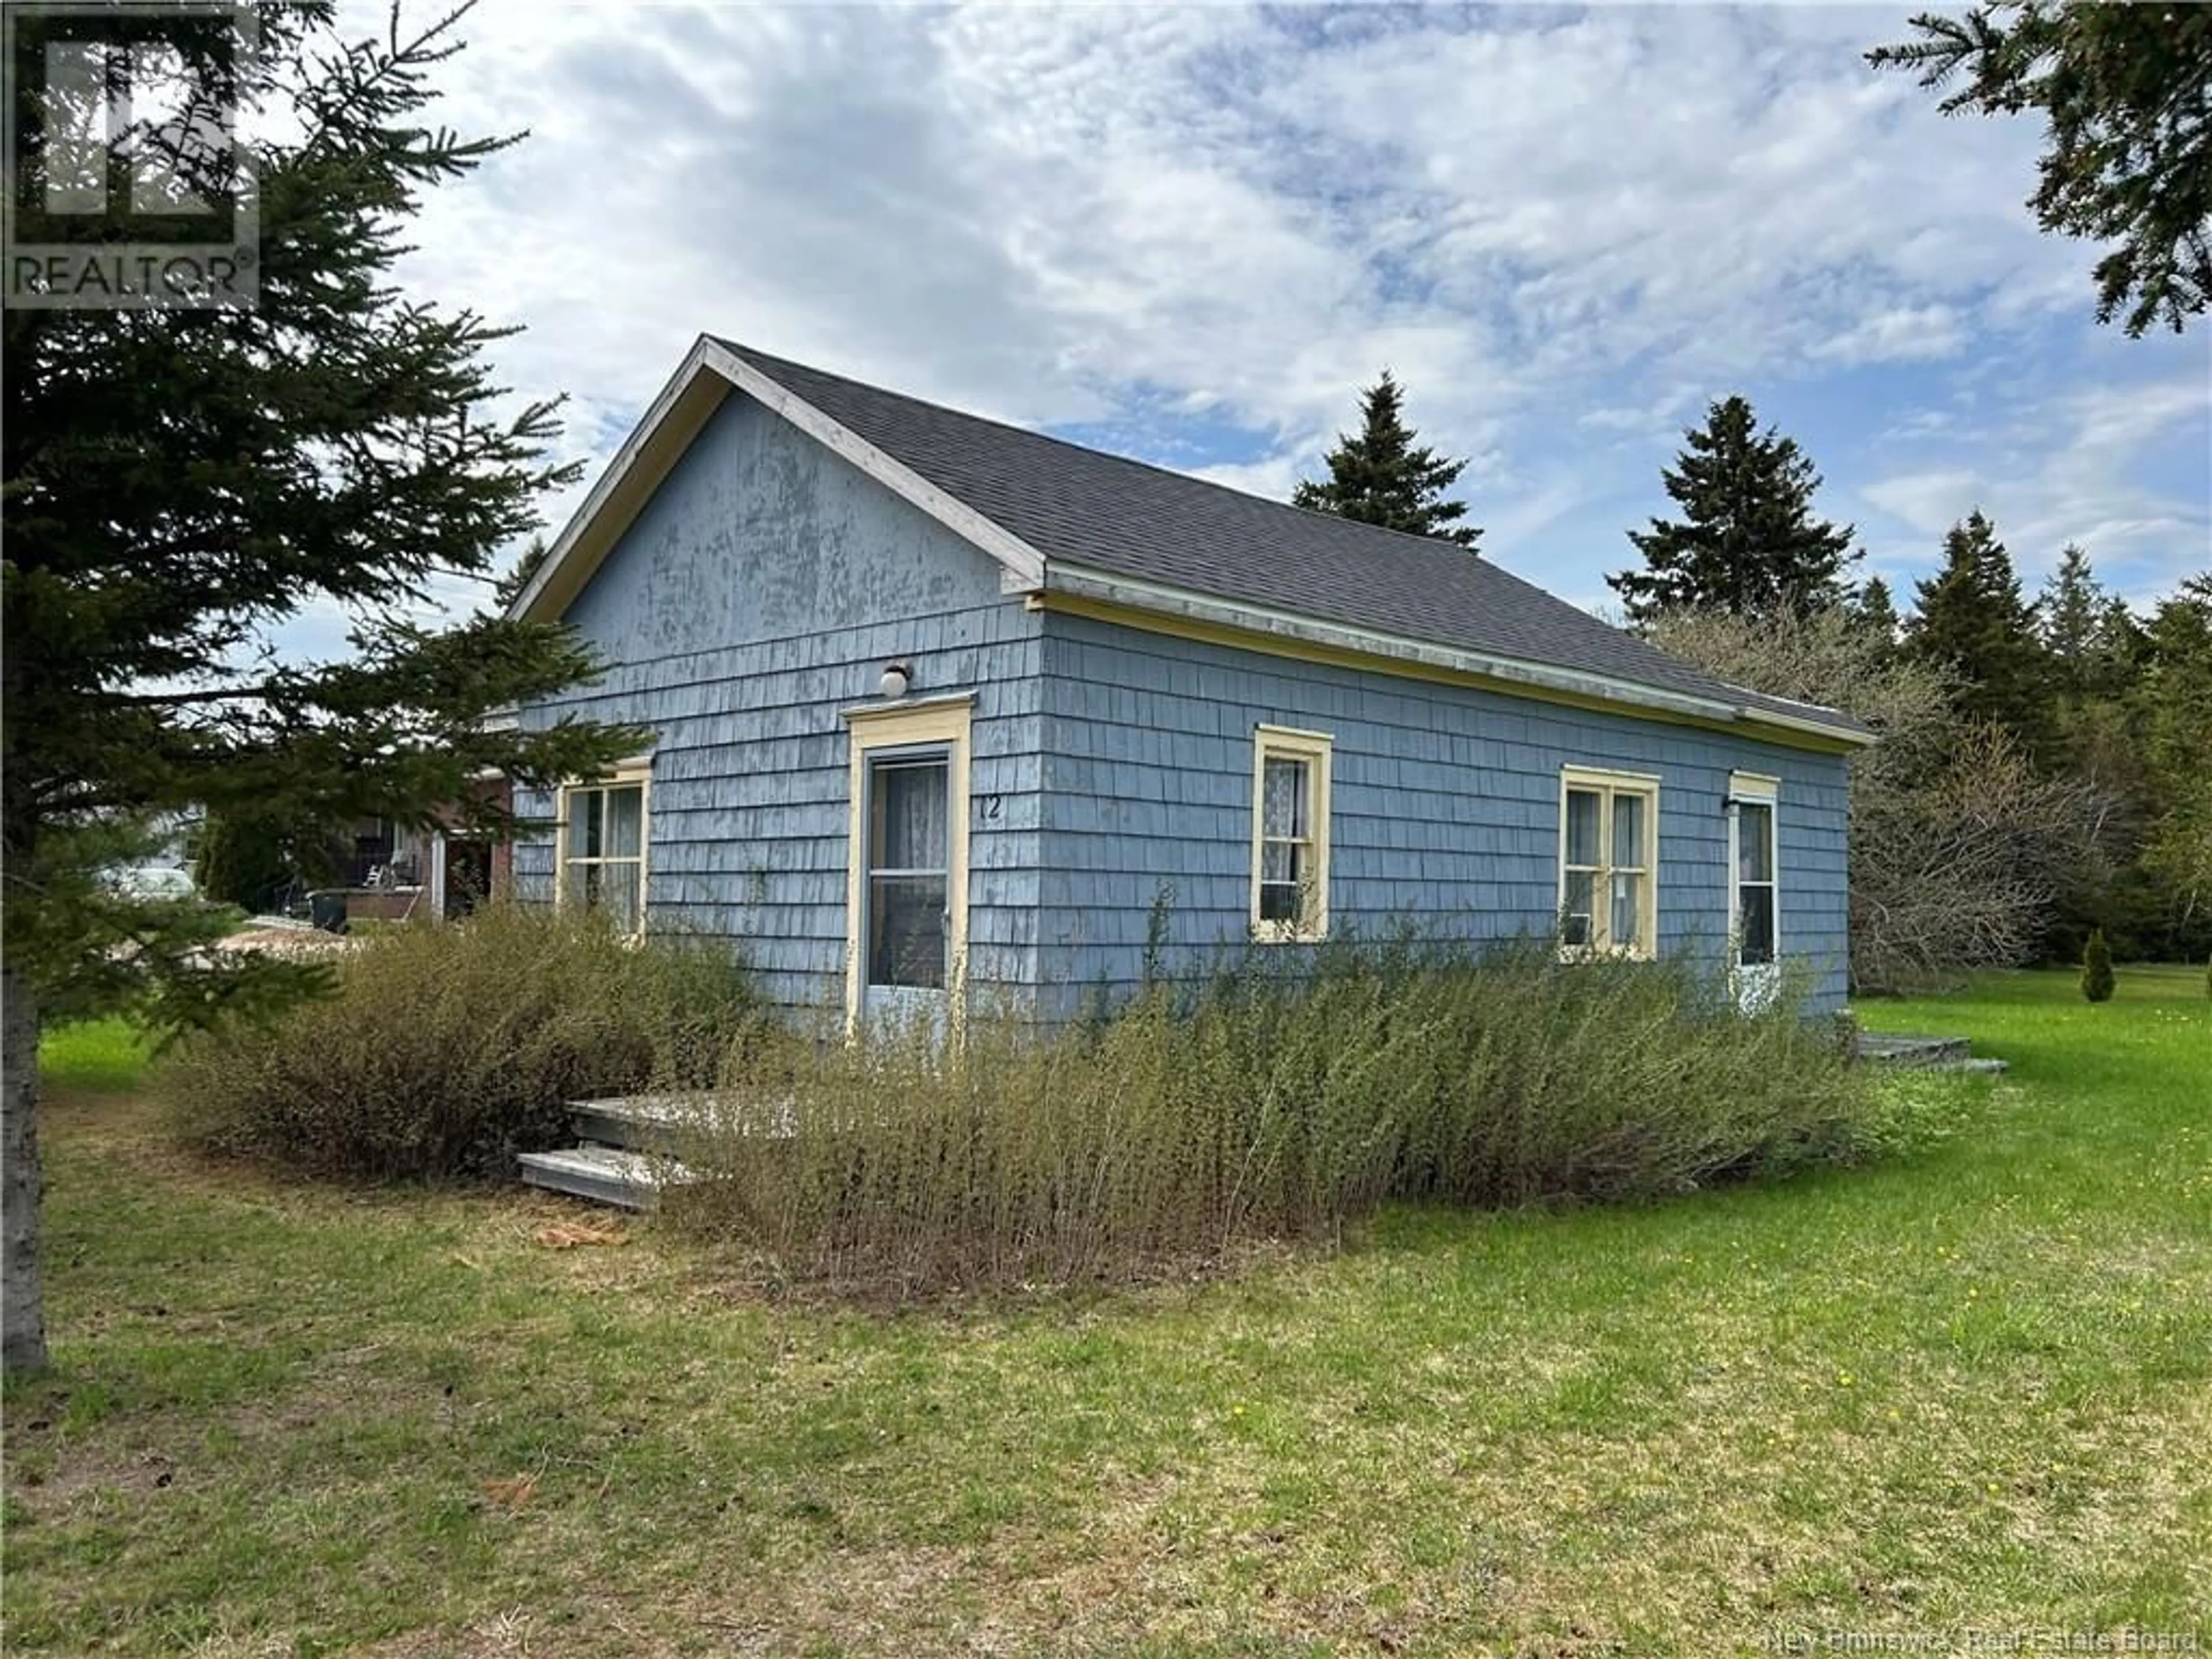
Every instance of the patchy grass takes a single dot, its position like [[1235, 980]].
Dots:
[[1968, 1389]]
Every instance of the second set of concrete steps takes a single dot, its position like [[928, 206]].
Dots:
[[1925, 1054]]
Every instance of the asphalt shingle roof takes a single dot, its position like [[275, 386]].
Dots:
[[1124, 518]]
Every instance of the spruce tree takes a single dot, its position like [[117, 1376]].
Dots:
[[177, 481], [2172, 703], [246, 860], [2123, 93], [1382, 476], [1875, 612], [2091, 636], [1972, 620], [1748, 542], [2071, 607]]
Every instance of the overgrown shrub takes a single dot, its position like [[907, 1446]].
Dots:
[[2097, 982], [446, 1049], [1274, 1103]]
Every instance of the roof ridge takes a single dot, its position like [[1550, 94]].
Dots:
[[1136, 520], [760, 359]]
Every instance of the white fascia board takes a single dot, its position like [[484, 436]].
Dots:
[[1023, 564], [610, 480], [1776, 718]]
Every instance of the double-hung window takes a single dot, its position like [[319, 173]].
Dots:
[[1754, 915], [1608, 862], [1289, 833], [603, 844]]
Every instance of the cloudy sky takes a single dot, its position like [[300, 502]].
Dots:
[[1190, 235]]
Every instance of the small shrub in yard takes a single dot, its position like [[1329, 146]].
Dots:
[[2097, 981], [1270, 1103], [1913, 1110], [446, 1049]]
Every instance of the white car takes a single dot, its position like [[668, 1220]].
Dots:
[[153, 881]]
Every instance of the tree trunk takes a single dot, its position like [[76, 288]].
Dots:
[[22, 1305]]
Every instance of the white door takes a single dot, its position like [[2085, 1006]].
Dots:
[[1754, 924], [906, 943], [907, 926]]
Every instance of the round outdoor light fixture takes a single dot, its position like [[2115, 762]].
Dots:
[[898, 677]]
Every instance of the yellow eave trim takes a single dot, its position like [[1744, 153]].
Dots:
[[1786, 733]]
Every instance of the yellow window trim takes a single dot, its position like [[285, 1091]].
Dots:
[[636, 770], [947, 720], [1753, 785], [1289, 743], [1609, 782]]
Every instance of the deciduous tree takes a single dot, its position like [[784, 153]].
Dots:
[[1957, 844]]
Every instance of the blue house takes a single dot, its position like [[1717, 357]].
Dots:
[[942, 708]]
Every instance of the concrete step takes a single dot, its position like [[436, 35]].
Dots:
[[645, 1123], [605, 1175], [658, 1123], [1975, 1066]]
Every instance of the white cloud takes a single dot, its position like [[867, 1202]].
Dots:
[[1930, 502], [2069, 471], [1273, 476], [1898, 334], [1564, 232]]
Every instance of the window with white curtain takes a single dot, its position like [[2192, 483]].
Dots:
[[1754, 910], [1289, 833], [603, 845], [909, 854], [1608, 862]]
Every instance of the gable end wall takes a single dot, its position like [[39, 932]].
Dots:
[[760, 592]]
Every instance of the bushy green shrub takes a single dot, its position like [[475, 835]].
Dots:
[[1274, 1103], [2097, 982], [446, 1049]]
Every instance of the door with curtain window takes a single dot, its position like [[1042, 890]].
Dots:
[[906, 933], [907, 893]]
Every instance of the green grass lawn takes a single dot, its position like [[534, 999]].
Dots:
[[97, 1056], [1972, 1390]]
